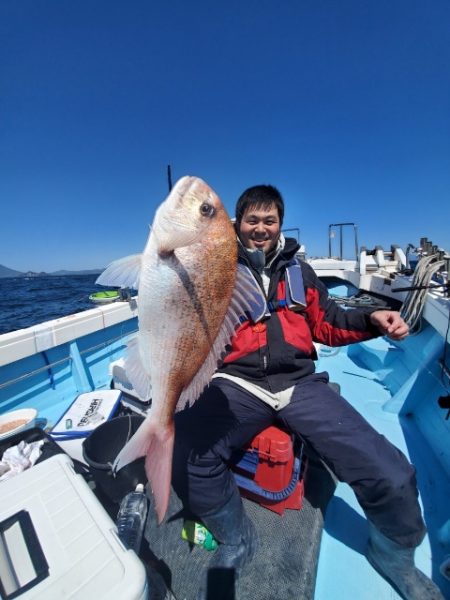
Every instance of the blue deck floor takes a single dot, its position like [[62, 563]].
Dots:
[[343, 572]]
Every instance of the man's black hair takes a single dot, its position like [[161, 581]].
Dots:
[[259, 197]]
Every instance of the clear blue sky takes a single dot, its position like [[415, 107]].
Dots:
[[343, 105]]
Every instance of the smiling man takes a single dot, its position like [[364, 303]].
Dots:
[[259, 214], [268, 377]]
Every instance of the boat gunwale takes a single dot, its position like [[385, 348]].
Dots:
[[23, 343]]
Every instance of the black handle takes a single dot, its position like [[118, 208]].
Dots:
[[12, 588]]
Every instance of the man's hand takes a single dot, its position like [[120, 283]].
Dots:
[[390, 323]]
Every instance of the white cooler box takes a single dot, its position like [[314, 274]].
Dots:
[[85, 414], [120, 381], [57, 541]]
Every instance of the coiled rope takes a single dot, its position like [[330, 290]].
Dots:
[[414, 303]]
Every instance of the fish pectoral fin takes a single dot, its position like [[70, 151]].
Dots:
[[247, 301], [124, 272], [138, 376]]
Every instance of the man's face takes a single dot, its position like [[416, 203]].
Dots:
[[260, 228]]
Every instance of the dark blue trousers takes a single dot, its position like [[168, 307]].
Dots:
[[226, 417]]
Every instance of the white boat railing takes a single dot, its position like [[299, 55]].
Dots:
[[27, 342]]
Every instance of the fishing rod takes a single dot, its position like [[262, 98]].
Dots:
[[169, 177]]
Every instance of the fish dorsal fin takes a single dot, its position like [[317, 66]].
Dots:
[[123, 272], [135, 371], [247, 299]]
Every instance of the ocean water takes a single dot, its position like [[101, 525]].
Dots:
[[28, 301]]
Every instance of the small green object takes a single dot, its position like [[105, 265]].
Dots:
[[105, 296], [198, 534], [68, 423]]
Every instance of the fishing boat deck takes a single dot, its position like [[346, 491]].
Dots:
[[380, 393], [395, 386], [345, 530]]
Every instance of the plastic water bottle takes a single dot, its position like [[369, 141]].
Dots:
[[198, 534], [131, 518]]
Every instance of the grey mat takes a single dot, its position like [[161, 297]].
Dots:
[[286, 562]]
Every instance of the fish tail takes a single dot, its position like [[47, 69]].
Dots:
[[156, 444], [136, 447], [158, 466]]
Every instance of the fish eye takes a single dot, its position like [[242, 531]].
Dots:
[[207, 210]]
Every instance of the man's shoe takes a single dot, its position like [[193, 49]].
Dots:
[[396, 564], [237, 539]]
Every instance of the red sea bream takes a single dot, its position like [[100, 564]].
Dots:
[[190, 298]]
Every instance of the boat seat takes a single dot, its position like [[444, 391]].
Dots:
[[271, 468]]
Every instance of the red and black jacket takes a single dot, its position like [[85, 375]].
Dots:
[[277, 351]]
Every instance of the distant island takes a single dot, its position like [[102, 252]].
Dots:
[[6, 272]]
